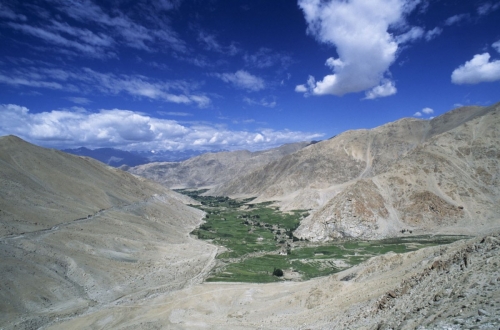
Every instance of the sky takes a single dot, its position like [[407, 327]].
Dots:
[[237, 74]]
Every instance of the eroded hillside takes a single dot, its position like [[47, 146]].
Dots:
[[77, 235]]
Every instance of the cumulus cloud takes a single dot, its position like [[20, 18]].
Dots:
[[301, 88], [424, 111], [132, 130], [479, 69], [243, 79], [387, 88], [359, 31]]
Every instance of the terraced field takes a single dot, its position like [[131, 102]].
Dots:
[[258, 238]]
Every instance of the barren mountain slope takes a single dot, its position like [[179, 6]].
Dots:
[[77, 235], [311, 176], [212, 169], [449, 183]]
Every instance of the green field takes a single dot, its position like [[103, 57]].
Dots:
[[258, 239]]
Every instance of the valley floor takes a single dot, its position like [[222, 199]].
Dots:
[[444, 287]]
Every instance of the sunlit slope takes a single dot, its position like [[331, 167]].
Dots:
[[77, 234], [449, 183], [212, 169], [412, 173]]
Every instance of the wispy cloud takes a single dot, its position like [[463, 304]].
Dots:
[[455, 19], [243, 79], [360, 32], [431, 34], [87, 80], [411, 35], [266, 58], [487, 8], [88, 43], [8, 13], [209, 42], [78, 100], [106, 30], [268, 103], [133, 131], [177, 114], [496, 46]]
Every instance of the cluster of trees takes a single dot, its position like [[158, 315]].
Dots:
[[277, 272]]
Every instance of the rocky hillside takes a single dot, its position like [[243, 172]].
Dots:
[[211, 169], [76, 234], [409, 174], [444, 287]]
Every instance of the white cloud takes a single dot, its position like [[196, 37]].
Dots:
[[106, 28], [79, 100], [8, 13], [178, 114], [479, 69], [262, 102], [387, 88], [496, 46], [242, 79], [359, 31], [87, 80], [132, 130], [266, 58], [431, 34], [411, 35], [487, 8], [456, 19], [209, 42], [301, 88], [427, 111], [417, 114], [28, 81]]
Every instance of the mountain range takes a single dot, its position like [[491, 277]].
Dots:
[[116, 157], [87, 246], [411, 174]]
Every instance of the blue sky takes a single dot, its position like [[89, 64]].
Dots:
[[235, 74]]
